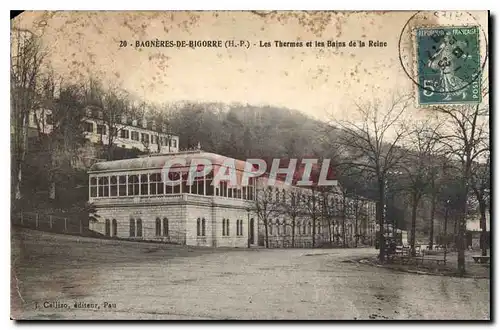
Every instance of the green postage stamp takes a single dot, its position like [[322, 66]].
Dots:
[[449, 65]]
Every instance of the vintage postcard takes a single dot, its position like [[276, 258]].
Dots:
[[250, 165]]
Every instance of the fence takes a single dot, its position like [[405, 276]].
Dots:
[[52, 223]]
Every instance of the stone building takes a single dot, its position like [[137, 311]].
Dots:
[[133, 201], [146, 134], [340, 220]]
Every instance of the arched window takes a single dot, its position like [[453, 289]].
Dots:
[[319, 228], [304, 228], [203, 227], [139, 227], [158, 227], [132, 227], [165, 227], [198, 227], [309, 231], [223, 227], [114, 227], [270, 227], [107, 228], [278, 229]]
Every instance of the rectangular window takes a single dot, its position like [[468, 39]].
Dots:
[[124, 133], [101, 129], [250, 188], [103, 185], [122, 185], [174, 143], [133, 185], [134, 135], [144, 138], [113, 186], [153, 184], [93, 187], [200, 189], [89, 127], [224, 188], [144, 184]]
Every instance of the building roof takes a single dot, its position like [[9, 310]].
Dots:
[[158, 161]]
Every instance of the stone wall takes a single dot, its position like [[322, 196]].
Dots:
[[182, 212]]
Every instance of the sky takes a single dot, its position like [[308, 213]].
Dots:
[[323, 82]]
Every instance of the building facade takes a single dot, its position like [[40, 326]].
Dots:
[[144, 134], [339, 220], [132, 201]]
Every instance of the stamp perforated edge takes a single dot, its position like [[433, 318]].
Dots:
[[415, 63]]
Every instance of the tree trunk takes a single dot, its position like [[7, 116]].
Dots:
[[462, 223], [266, 234], [381, 199], [433, 212], [484, 248], [446, 212], [413, 224], [22, 154], [313, 231], [330, 224], [344, 237], [356, 228]]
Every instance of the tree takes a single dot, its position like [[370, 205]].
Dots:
[[313, 206], [264, 207], [466, 141], [373, 144], [27, 58], [481, 186], [419, 169], [111, 104], [291, 207]]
